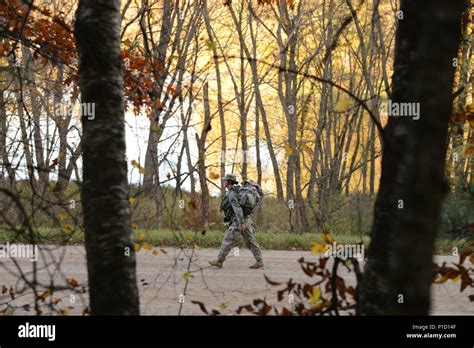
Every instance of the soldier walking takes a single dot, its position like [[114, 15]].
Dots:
[[240, 224]]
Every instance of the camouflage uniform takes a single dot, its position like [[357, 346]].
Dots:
[[234, 214]]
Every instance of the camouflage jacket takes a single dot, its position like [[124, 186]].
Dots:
[[231, 207]]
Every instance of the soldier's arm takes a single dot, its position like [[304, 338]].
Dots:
[[236, 207]]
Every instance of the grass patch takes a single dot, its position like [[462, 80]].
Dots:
[[212, 239]]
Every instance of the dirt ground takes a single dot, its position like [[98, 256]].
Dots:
[[161, 280]]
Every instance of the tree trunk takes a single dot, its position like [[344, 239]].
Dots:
[[202, 155], [220, 102], [398, 271], [151, 158], [3, 143], [185, 121], [32, 92], [105, 193], [460, 179]]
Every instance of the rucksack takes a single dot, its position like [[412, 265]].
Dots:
[[250, 196]]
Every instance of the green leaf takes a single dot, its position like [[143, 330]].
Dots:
[[211, 45]]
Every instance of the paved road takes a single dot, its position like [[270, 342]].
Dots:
[[161, 280]]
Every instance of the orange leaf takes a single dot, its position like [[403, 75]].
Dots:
[[441, 279], [73, 282], [159, 105], [214, 176], [469, 151], [327, 238]]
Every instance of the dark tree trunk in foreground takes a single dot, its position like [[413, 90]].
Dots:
[[398, 272], [110, 253]]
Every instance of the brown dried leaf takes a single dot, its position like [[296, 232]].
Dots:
[[73, 282], [465, 281], [463, 255], [248, 308], [201, 306], [271, 282]]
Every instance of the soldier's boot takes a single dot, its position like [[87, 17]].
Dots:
[[258, 264], [216, 263]]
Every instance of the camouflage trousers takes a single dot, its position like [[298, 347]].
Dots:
[[231, 239]]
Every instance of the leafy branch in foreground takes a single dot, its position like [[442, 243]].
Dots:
[[329, 294]]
